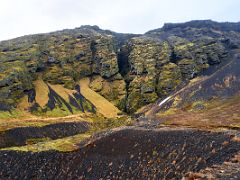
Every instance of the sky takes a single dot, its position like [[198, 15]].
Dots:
[[23, 17]]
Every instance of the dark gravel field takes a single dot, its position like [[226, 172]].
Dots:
[[135, 153], [19, 136]]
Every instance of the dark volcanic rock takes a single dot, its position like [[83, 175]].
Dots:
[[129, 153], [20, 136]]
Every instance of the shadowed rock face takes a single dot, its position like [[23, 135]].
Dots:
[[128, 153], [128, 70]]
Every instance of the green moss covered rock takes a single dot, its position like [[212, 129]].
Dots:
[[169, 78]]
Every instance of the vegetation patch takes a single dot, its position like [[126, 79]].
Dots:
[[11, 114], [102, 105], [25, 135], [36, 140], [216, 113], [62, 144], [44, 140]]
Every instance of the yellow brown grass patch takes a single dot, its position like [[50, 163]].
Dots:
[[42, 91], [102, 105]]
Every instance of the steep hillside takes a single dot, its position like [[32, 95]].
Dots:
[[104, 106], [63, 98], [130, 71], [164, 60], [40, 73], [54, 100], [221, 85]]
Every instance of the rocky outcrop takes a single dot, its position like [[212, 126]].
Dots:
[[169, 78], [113, 89], [14, 81], [148, 61], [163, 59], [59, 58], [128, 70]]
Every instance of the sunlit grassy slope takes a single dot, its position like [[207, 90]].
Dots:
[[42, 91], [63, 144], [98, 124], [42, 121], [103, 106]]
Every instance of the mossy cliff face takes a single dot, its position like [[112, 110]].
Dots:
[[58, 58], [157, 67], [148, 61], [128, 70], [113, 89], [81, 57], [169, 78], [13, 81], [163, 59]]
